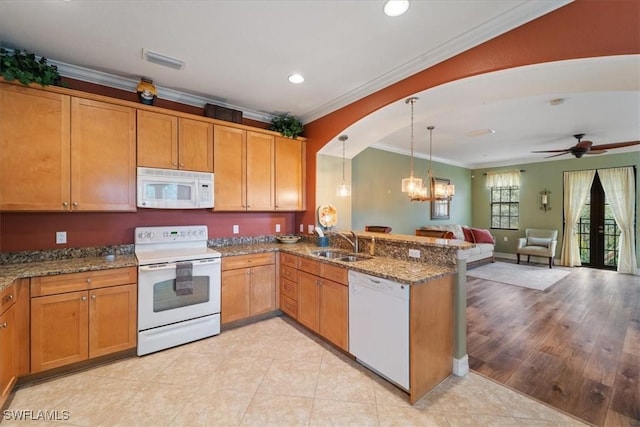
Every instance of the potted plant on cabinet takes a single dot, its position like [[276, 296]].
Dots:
[[25, 67], [287, 125]]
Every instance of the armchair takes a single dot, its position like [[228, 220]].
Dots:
[[538, 242]]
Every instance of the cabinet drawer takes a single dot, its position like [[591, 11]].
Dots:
[[289, 260], [61, 283], [289, 288], [289, 273], [289, 306], [7, 298], [334, 273], [244, 261], [309, 265]]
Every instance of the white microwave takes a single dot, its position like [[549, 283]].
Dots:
[[174, 189]]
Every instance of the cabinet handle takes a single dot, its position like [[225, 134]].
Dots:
[[174, 164], [83, 298], [9, 297], [88, 280], [3, 325], [65, 204], [181, 165], [75, 204], [93, 297]]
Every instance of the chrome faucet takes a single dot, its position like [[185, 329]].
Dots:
[[353, 243]]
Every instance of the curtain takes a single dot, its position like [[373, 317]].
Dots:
[[577, 185], [619, 187], [503, 179]]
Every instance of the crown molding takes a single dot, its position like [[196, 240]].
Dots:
[[518, 15], [124, 83]]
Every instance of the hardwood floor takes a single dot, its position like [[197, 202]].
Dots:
[[575, 346]]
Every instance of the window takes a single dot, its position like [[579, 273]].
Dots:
[[505, 207]]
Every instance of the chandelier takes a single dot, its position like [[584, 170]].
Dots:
[[412, 184], [432, 190]]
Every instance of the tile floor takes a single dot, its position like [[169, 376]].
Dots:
[[270, 373]]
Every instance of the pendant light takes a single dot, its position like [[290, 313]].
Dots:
[[411, 184], [343, 189], [432, 191]]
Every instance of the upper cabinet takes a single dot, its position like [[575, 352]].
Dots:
[[62, 153], [244, 175], [289, 174], [169, 142]]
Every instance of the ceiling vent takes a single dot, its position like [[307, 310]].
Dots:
[[160, 59]]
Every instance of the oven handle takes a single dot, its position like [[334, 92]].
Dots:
[[172, 265]]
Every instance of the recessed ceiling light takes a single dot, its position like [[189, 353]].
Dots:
[[296, 78], [480, 132], [396, 7]]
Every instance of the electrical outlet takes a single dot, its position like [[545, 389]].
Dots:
[[277, 228], [506, 239], [236, 229], [61, 237], [414, 253], [310, 228], [302, 228]]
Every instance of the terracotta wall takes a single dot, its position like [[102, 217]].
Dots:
[[582, 29], [32, 231]]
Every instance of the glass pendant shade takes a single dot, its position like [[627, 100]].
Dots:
[[411, 184], [343, 190]]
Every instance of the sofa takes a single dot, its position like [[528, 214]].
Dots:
[[484, 242]]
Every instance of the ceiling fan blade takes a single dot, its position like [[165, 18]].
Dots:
[[584, 145], [552, 151], [614, 145], [556, 155], [592, 151]]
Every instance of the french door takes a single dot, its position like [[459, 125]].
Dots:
[[598, 233]]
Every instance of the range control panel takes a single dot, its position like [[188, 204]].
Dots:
[[180, 233]]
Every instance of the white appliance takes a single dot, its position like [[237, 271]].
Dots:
[[379, 326], [167, 316], [174, 189]]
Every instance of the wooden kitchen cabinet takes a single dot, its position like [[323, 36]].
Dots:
[[63, 153], [289, 174], [79, 316], [243, 164], [248, 286], [323, 300], [8, 342], [170, 142], [289, 284]]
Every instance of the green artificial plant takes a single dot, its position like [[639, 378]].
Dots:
[[287, 125], [27, 68]]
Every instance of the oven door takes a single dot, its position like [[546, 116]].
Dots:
[[158, 303]]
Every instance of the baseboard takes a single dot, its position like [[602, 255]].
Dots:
[[461, 366], [503, 255]]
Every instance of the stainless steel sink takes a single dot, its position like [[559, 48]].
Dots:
[[330, 254], [354, 258]]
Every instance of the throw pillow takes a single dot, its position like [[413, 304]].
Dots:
[[468, 235], [481, 235], [538, 241]]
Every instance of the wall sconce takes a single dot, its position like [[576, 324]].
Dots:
[[544, 200]]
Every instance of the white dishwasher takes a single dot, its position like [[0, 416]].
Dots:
[[379, 326]]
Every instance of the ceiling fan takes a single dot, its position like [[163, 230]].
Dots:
[[587, 147]]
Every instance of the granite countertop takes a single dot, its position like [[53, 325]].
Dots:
[[11, 272], [408, 272]]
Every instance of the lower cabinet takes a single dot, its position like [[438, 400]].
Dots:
[[79, 316], [8, 342], [323, 300], [248, 286]]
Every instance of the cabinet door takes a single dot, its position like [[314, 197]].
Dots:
[[34, 149], [289, 172], [236, 290], [308, 298], [263, 289], [260, 172], [195, 145], [59, 330], [112, 319], [229, 168], [334, 313], [103, 156], [8, 371], [157, 140]]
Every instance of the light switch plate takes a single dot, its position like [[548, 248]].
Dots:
[[61, 237], [506, 238], [310, 228], [414, 253], [236, 229], [277, 228], [302, 228]]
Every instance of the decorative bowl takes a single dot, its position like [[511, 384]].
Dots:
[[288, 239]]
